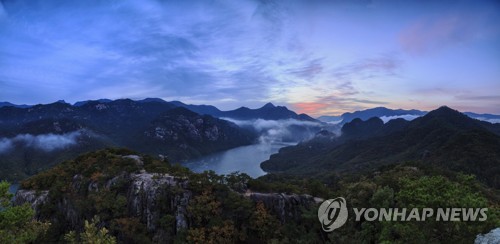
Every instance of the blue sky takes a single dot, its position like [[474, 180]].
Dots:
[[318, 57]]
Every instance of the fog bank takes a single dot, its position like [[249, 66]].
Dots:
[[281, 131], [46, 142], [408, 117]]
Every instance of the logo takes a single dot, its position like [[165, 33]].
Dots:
[[332, 214]]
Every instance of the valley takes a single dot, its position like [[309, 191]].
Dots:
[[35, 138], [249, 121], [276, 169], [244, 159]]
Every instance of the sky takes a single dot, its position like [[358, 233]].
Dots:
[[315, 57]]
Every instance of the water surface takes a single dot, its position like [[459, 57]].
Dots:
[[245, 159]]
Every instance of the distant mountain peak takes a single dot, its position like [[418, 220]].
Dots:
[[102, 100], [374, 112], [447, 117], [268, 105], [150, 99], [445, 111], [8, 104], [444, 107]]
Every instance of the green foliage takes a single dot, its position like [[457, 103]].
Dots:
[[204, 208], [409, 187], [108, 204], [17, 224], [222, 233], [237, 181], [5, 195], [91, 234], [290, 184], [209, 226], [130, 230], [436, 192], [218, 211], [70, 181], [444, 138], [263, 224], [383, 198]]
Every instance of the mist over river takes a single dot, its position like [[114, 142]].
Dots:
[[245, 159], [274, 134]]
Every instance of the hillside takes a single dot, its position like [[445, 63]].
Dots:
[[379, 112], [372, 112], [38, 137], [181, 133], [8, 104], [444, 137], [142, 200], [387, 114]]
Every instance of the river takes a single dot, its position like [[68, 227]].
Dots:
[[245, 159]]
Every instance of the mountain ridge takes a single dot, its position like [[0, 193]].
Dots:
[[389, 113], [267, 112], [443, 137], [144, 126]]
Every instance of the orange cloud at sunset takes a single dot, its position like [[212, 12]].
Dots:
[[311, 108]]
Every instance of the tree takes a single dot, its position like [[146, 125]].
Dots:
[[224, 232], [17, 224], [438, 192], [204, 208], [265, 225], [91, 234]]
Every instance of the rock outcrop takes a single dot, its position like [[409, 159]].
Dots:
[[143, 201], [149, 196], [34, 198], [490, 238], [119, 188], [152, 195], [286, 207]]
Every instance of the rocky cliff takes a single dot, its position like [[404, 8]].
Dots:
[[144, 193], [490, 238], [159, 200], [285, 206]]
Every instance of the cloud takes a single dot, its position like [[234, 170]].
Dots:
[[408, 117], [45, 142], [309, 108], [382, 65], [344, 92], [434, 33], [280, 131], [167, 49], [479, 97], [5, 145], [226, 53], [309, 70], [262, 125], [335, 103], [493, 121]]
